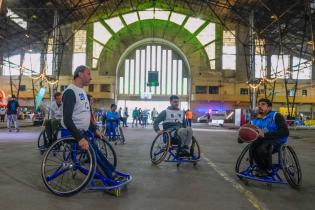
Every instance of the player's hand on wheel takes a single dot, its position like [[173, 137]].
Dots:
[[84, 144]]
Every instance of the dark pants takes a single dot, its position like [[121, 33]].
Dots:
[[51, 128], [124, 119], [102, 161], [133, 121], [189, 122], [261, 150], [2, 118]]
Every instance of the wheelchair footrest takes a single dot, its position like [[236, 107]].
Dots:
[[121, 179], [268, 179]]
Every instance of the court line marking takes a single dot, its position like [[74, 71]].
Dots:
[[248, 194]]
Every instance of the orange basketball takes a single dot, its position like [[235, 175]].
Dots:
[[248, 133]]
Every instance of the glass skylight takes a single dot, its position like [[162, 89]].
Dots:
[[279, 64], [97, 49], [161, 15], [193, 24], [260, 66], [210, 50], [130, 18], [101, 34], [115, 23], [16, 18], [32, 62], [77, 60], [177, 18], [147, 14], [305, 70], [13, 68], [207, 34]]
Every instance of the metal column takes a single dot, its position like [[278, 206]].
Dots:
[[252, 56]]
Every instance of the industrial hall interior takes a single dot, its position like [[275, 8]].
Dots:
[[157, 104]]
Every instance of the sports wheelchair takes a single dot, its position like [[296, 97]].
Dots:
[[287, 162], [166, 147], [114, 133], [43, 140], [67, 169]]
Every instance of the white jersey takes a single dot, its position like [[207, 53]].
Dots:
[[56, 112], [174, 116], [81, 113]]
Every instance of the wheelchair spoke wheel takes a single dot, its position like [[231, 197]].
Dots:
[[243, 161], [66, 169], [42, 138], [291, 167], [107, 150], [159, 148], [195, 149]]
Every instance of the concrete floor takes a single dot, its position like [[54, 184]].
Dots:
[[211, 185]]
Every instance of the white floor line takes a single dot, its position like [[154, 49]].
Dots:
[[248, 194]]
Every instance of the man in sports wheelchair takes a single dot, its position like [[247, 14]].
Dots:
[[111, 122], [273, 132], [54, 123], [174, 121], [77, 113]]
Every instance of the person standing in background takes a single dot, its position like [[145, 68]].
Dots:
[[120, 116], [2, 114], [144, 118], [125, 117], [135, 116], [189, 116], [12, 112], [154, 115]]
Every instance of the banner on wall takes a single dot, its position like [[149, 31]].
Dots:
[[39, 97]]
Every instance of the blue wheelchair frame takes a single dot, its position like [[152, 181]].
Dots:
[[107, 183], [109, 132], [274, 177], [173, 149]]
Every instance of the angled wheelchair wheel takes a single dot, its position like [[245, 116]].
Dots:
[[291, 167], [195, 149], [66, 169], [159, 147], [107, 150], [42, 138], [243, 161]]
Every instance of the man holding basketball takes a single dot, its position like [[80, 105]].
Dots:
[[273, 132]]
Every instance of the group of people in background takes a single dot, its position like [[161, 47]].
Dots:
[[141, 117], [11, 111]]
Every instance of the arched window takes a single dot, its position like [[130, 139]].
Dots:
[[171, 70]]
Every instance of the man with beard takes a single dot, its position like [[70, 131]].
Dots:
[[273, 132]]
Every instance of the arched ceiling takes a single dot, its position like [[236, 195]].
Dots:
[[140, 30], [287, 20]]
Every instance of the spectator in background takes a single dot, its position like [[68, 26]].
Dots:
[[135, 116], [2, 114], [189, 116], [120, 116], [125, 117], [144, 118], [12, 112], [140, 116], [154, 115]]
